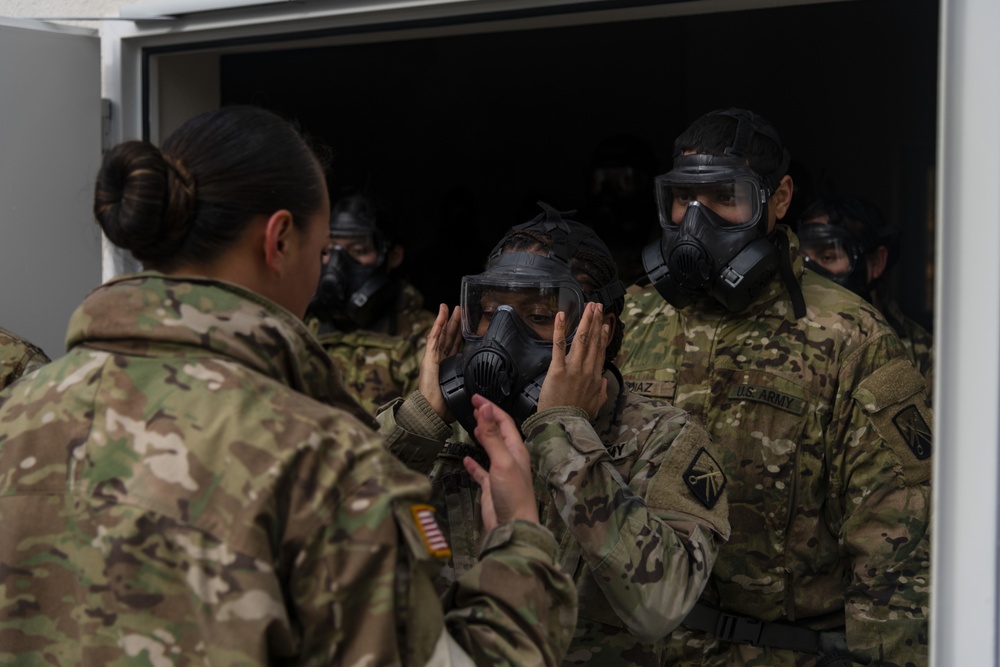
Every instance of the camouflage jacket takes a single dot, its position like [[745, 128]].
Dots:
[[182, 489], [638, 539], [18, 357], [824, 435], [918, 341], [378, 366]]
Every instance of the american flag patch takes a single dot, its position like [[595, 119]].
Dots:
[[437, 545]]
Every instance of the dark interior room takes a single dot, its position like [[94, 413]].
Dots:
[[458, 136]]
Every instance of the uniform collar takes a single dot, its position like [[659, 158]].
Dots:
[[150, 314]]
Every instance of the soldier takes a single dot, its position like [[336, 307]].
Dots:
[[371, 322], [816, 410], [188, 485], [18, 357], [849, 241], [629, 485]]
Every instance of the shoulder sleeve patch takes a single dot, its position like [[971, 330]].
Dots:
[[915, 431], [705, 478], [419, 526], [893, 398], [437, 545]]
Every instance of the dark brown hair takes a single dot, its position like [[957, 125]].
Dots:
[[191, 199]]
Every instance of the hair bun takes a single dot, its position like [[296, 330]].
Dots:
[[143, 200]]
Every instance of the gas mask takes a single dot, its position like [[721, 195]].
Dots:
[[713, 212], [508, 317], [830, 251], [350, 294], [719, 247]]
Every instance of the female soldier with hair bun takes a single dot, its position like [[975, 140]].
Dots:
[[191, 485]]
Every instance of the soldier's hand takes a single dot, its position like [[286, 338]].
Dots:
[[508, 492], [577, 379], [444, 340]]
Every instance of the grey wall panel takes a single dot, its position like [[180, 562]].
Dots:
[[50, 247]]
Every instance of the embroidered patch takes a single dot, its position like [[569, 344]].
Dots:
[[705, 478], [752, 392], [915, 431], [652, 388], [437, 545]]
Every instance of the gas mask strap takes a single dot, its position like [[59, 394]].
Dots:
[[788, 277], [622, 391], [748, 124], [606, 295], [744, 130]]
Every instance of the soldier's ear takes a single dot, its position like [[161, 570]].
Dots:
[[782, 197], [277, 238], [395, 257], [877, 262]]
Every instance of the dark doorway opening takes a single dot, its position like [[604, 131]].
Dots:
[[460, 135]]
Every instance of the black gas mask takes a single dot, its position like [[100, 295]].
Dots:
[[830, 251], [508, 315], [713, 212], [351, 294]]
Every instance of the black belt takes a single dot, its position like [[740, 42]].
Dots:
[[738, 629]]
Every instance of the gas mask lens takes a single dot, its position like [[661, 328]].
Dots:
[[736, 202], [535, 305], [825, 247]]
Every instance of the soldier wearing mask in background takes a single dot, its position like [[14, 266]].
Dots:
[[371, 322], [620, 203], [815, 408], [18, 357], [629, 486], [849, 241]]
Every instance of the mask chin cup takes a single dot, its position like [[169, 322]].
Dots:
[[659, 276], [741, 281], [458, 395], [736, 286], [367, 303], [452, 381]]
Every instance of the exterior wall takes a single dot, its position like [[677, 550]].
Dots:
[[42, 9]]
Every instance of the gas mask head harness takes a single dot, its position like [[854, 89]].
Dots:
[[835, 236], [713, 212], [508, 317], [350, 294]]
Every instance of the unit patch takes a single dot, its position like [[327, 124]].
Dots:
[[752, 392], [915, 431], [705, 478], [436, 543]]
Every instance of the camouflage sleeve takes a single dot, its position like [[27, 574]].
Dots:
[[881, 473], [18, 357], [517, 576], [363, 591], [650, 547], [413, 431]]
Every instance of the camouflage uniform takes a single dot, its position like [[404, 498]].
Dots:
[[825, 440], [918, 341], [182, 489], [377, 366], [638, 540], [18, 357]]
